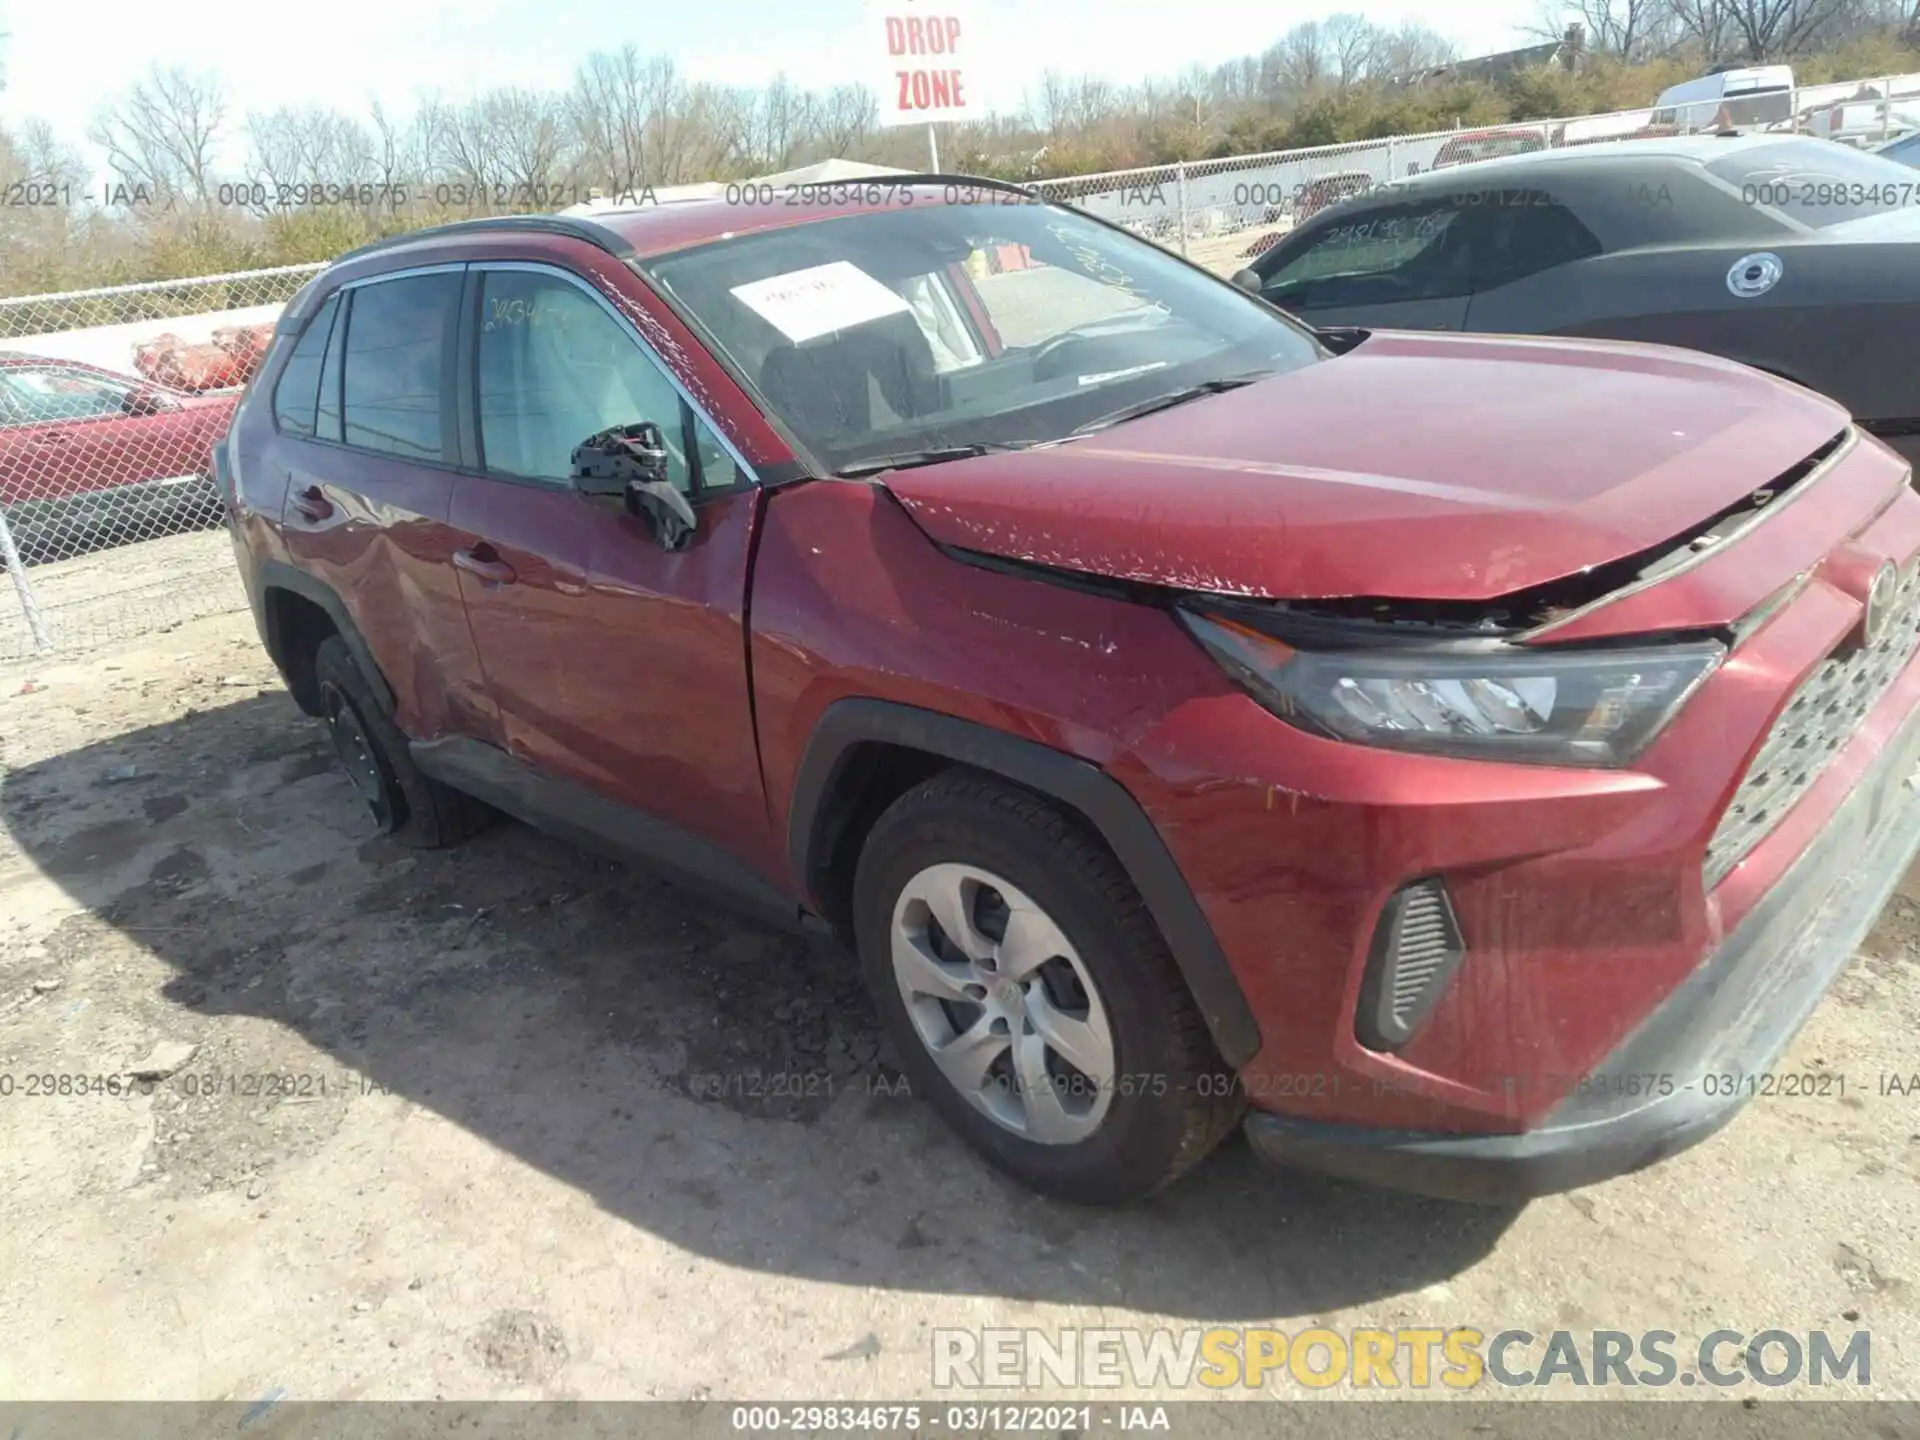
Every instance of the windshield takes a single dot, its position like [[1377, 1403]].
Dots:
[[1817, 182], [938, 326]]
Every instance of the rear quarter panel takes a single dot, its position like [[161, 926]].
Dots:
[[1842, 319]]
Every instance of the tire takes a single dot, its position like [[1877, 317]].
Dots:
[[1166, 1100], [405, 804]]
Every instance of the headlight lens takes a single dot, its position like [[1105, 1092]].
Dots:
[[1552, 708]]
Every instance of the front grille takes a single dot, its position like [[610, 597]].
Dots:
[[1822, 717]]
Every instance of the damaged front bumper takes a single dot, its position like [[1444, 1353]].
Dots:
[[1690, 1066]]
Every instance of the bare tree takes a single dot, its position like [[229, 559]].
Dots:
[[504, 146], [638, 123], [163, 133], [1353, 45], [1237, 82], [1411, 49], [1769, 29], [1050, 109], [1628, 30], [308, 146], [1708, 24], [402, 157], [844, 117], [1301, 59]]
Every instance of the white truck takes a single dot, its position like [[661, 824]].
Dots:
[[1731, 99]]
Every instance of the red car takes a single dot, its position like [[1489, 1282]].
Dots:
[[88, 457], [1467, 761], [1487, 145]]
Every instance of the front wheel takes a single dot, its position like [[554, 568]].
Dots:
[[1031, 997]]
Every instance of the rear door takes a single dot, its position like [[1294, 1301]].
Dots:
[[1394, 265], [365, 437], [614, 663]]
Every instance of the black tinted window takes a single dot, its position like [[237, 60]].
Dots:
[[293, 397], [392, 376], [1526, 232], [1376, 257]]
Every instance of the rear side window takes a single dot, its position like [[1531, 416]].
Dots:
[[393, 365], [1817, 182], [1523, 232], [326, 425], [295, 394]]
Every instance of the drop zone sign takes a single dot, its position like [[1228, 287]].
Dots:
[[921, 50]]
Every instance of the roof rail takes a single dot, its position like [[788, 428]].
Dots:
[[599, 236]]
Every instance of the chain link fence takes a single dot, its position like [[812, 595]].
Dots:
[[111, 399], [110, 402]]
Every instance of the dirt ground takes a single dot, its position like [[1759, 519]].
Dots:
[[450, 1128]]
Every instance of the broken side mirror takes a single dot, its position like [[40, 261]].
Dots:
[[631, 464]]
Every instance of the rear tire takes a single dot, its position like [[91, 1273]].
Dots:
[[413, 808], [1053, 1031]]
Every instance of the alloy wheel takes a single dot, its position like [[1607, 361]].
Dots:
[[1003, 1003]]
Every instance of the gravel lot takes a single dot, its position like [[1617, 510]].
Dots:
[[493, 1164]]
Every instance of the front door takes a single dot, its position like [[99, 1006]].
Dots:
[[614, 663]]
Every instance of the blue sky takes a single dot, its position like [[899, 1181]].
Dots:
[[64, 57]]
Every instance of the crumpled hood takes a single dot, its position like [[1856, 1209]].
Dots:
[[1418, 467]]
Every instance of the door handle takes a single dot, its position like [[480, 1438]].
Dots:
[[312, 504], [483, 561], [52, 437]]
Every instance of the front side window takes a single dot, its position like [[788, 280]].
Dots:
[[394, 362], [936, 325], [40, 397], [555, 367], [1382, 256]]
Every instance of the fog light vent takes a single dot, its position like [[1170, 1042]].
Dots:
[[1416, 946]]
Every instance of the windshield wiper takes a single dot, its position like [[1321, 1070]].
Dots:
[[909, 459], [1171, 399]]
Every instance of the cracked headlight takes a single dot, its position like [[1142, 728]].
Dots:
[[1569, 707]]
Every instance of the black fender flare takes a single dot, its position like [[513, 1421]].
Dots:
[[1103, 801], [278, 575]]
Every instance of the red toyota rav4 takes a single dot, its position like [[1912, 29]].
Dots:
[[1468, 760]]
